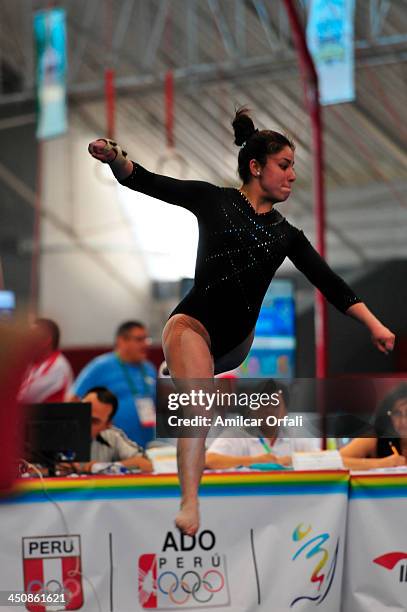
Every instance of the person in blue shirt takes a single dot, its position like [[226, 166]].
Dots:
[[126, 373]]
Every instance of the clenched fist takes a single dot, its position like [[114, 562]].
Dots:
[[103, 149], [383, 338], [109, 152]]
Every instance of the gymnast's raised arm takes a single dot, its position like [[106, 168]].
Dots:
[[195, 196]]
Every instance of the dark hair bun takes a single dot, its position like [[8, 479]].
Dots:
[[243, 126]]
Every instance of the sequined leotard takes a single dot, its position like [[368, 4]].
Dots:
[[239, 252]]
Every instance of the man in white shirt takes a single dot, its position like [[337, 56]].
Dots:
[[246, 450], [236, 447]]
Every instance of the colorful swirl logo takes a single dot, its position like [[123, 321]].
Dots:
[[324, 572]]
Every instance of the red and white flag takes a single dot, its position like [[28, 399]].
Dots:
[[52, 566]]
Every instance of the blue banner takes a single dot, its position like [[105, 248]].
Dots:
[[330, 39], [50, 42]]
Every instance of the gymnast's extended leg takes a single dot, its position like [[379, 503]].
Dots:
[[186, 346]]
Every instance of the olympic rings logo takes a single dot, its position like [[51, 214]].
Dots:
[[191, 584], [70, 588]]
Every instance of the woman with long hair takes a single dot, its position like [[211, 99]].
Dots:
[[388, 448], [243, 240]]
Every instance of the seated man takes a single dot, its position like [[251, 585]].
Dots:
[[109, 444], [50, 375], [128, 374], [269, 446]]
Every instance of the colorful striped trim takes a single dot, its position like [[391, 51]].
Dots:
[[140, 486], [378, 486]]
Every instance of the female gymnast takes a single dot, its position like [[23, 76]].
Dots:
[[243, 240]]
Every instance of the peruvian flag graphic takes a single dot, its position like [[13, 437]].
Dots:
[[52, 566], [147, 580]]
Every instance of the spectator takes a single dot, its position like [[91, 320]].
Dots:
[[130, 377], [109, 444], [389, 447], [50, 375]]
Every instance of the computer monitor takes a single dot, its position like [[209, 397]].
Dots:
[[273, 352], [7, 304], [58, 432]]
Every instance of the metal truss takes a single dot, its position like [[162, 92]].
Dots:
[[138, 42]]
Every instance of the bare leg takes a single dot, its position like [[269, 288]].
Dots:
[[186, 347]]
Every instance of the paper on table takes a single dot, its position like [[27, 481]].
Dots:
[[164, 459], [399, 469], [319, 460]]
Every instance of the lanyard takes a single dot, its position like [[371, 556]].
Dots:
[[130, 381], [265, 445]]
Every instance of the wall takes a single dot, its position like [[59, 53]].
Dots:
[[384, 289], [18, 166], [92, 276]]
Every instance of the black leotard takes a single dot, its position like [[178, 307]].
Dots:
[[239, 252]]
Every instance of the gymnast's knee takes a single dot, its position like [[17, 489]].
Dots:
[[176, 324], [179, 323]]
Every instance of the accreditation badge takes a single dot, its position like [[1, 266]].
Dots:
[[146, 411]]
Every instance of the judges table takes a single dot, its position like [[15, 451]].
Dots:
[[268, 541]]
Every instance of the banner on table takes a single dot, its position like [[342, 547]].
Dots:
[[330, 39], [50, 43], [375, 574], [267, 541]]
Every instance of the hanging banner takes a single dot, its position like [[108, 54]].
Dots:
[[330, 39], [50, 42]]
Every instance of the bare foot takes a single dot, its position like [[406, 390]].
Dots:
[[187, 519]]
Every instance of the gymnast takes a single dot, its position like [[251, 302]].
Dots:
[[243, 240]]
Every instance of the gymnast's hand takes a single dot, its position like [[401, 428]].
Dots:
[[109, 152], [383, 338], [102, 150]]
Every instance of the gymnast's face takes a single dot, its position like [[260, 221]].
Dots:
[[277, 176]]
